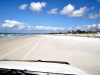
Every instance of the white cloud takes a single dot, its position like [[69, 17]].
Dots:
[[80, 12], [67, 10], [37, 7], [15, 26], [18, 27], [53, 11], [94, 15], [98, 0], [48, 28], [69, 29], [23, 6], [93, 27], [70, 11], [92, 8]]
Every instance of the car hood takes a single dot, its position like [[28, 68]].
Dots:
[[42, 67]]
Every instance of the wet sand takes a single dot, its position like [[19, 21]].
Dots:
[[81, 52]]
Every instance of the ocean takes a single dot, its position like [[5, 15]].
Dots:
[[11, 36]]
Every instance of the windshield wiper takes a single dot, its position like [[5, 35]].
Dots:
[[60, 62]]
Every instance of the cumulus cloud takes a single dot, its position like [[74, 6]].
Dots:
[[23, 6], [15, 26], [53, 11], [70, 11], [67, 10], [37, 6], [12, 24], [93, 27], [80, 12], [94, 15]]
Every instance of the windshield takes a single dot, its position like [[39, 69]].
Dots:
[[67, 31]]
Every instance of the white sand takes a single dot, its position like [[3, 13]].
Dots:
[[81, 52]]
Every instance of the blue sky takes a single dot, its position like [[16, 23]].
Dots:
[[48, 15]]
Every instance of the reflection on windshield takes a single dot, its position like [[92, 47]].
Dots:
[[4, 71]]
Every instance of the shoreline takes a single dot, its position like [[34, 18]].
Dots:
[[16, 37]]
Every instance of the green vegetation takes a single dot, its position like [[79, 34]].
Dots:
[[82, 32]]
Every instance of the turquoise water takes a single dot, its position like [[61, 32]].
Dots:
[[4, 37]]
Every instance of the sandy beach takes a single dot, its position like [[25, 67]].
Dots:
[[81, 52]]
